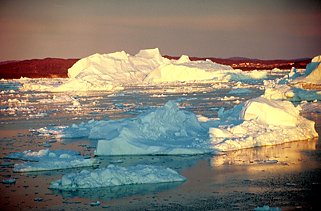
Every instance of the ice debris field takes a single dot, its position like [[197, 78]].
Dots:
[[157, 107]]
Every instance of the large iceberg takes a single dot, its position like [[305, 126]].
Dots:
[[115, 176], [113, 71], [260, 122]]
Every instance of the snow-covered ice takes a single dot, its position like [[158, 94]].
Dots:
[[290, 86], [260, 122], [169, 130], [30, 155], [55, 164], [166, 130], [113, 71], [312, 73], [116, 175]]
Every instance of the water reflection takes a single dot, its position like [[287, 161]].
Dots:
[[116, 192], [288, 154]]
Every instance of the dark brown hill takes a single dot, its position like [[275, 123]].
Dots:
[[248, 64], [36, 68], [58, 68]]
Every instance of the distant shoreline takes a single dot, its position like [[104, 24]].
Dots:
[[58, 67]]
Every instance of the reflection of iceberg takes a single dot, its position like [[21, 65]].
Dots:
[[115, 192], [282, 154]]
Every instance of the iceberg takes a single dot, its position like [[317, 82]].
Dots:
[[115, 176], [113, 71], [166, 130], [312, 73], [260, 122]]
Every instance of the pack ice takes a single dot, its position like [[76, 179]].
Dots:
[[108, 72], [290, 86], [116, 175], [169, 130]]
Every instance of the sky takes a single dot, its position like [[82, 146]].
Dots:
[[265, 29]]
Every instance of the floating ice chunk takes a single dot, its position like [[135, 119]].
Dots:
[[30, 155], [49, 160], [9, 181], [312, 73], [116, 175], [166, 130], [260, 122], [240, 91], [55, 163], [270, 112], [267, 208], [286, 92], [95, 204]]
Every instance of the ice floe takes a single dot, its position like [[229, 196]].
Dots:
[[45, 160], [30, 155], [115, 176]]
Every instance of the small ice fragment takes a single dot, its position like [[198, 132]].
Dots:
[[9, 181], [94, 204], [116, 161], [290, 184], [38, 199], [46, 144], [267, 208]]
